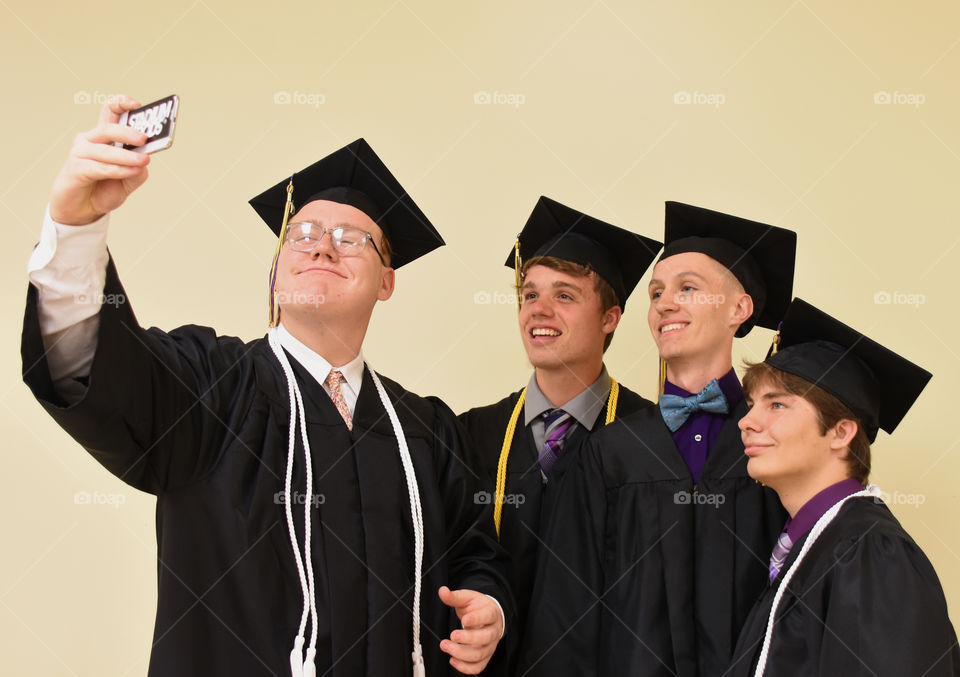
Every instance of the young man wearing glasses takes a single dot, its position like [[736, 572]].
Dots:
[[310, 513]]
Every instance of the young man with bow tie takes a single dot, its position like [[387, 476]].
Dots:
[[659, 542]]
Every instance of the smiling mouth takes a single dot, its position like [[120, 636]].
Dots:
[[320, 270], [672, 327], [543, 331]]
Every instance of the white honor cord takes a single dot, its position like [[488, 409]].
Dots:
[[822, 523], [299, 666], [416, 512]]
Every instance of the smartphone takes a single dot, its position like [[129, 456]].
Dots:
[[157, 120]]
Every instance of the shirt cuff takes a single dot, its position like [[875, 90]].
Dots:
[[503, 618], [75, 246]]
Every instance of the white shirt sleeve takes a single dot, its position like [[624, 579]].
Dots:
[[69, 268]]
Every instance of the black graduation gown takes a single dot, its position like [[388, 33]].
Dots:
[[651, 574], [202, 422], [529, 501], [865, 601]]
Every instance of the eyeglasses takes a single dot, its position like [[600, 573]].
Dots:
[[346, 240]]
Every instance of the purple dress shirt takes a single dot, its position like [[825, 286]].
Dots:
[[800, 524], [696, 436]]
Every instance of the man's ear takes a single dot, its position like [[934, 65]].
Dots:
[[610, 320], [741, 310], [387, 283], [842, 434]]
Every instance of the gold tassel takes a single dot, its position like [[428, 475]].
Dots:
[[518, 275], [663, 376], [288, 211], [775, 345]]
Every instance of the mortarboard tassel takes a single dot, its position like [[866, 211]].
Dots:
[[517, 267], [774, 346], [288, 211], [662, 379]]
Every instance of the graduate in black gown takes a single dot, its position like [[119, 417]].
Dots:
[[574, 280], [309, 511], [849, 592], [660, 538]]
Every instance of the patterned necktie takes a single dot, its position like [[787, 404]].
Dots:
[[676, 410], [334, 379], [779, 556], [556, 424]]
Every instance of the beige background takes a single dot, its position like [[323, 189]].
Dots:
[[771, 110]]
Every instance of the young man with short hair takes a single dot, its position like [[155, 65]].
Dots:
[[658, 537], [577, 273], [310, 513], [849, 592]]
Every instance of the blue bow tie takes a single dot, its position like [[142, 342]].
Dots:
[[676, 410]]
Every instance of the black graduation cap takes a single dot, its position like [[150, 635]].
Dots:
[[617, 255], [876, 384], [356, 176], [760, 256]]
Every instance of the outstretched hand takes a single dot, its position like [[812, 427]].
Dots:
[[98, 176], [471, 647]]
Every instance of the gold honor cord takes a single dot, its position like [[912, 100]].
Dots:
[[663, 376], [508, 442], [287, 213]]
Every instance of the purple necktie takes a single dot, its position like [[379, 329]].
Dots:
[[779, 556], [556, 424]]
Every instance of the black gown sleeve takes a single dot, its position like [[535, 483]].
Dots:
[[865, 601], [158, 405], [476, 559], [886, 615]]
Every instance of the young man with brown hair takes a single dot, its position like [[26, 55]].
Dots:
[[658, 537], [577, 275], [850, 593]]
